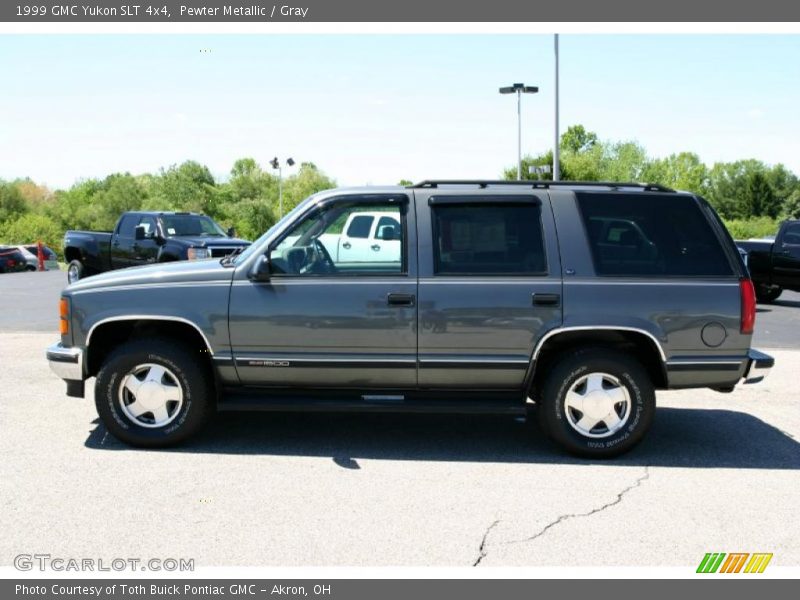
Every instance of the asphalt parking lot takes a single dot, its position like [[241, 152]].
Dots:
[[717, 473]]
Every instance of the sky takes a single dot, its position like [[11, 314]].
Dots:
[[374, 109]]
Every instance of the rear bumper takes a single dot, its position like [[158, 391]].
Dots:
[[758, 366], [67, 363]]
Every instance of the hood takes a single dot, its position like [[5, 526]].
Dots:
[[162, 274], [199, 241]]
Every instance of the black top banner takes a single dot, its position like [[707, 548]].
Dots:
[[187, 11]]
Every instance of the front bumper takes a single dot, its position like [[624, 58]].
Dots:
[[67, 363], [758, 366]]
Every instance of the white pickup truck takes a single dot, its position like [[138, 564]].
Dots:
[[367, 237]]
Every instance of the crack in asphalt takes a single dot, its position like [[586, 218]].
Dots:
[[594, 511], [482, 549]]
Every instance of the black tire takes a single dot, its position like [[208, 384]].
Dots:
[[185, 368], [31, 268], [570, 369], [768, 293], [75, 267]]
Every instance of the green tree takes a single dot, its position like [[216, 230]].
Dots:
[[188, 187], [31, 227], [12, 203], [683, 171], [791, 207], [727, 185], [307, 181], [759, 197], [576, 140]]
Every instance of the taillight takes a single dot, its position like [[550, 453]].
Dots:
[[63, 313], [11, 262], [748, 294]]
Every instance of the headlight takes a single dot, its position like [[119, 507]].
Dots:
[[197, 253]]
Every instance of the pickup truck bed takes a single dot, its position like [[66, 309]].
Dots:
[[774, 264]]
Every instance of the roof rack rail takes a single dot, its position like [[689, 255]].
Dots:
[[540, 184]]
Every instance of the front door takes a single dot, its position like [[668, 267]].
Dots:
[[325, 322]]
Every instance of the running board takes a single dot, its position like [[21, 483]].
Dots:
[[281, 401]]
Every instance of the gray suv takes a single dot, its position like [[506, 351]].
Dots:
[[571, 301]]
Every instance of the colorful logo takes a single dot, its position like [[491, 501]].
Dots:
[[735, 562]]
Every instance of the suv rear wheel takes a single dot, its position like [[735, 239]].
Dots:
[[153, 393], [597, 403]]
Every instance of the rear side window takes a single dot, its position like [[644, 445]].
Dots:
[[488, 239], [651, 234], [359, 227]]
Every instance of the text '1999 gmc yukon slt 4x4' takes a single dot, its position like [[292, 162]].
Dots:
[[576, 299]]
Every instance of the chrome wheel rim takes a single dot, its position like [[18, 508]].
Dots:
[[150, 395], [597, 405], [72, 274]]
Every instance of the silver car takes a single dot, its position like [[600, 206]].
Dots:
[[30, 252]]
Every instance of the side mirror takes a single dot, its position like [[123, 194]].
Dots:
[[139, 233], [262, 270], [231, 232]]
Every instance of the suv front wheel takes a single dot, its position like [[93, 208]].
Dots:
[[154, 393], [597, 403]]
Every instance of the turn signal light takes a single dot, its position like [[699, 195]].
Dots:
[[63, 312]]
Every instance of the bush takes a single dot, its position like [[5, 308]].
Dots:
[[742, 229], [31, 228]]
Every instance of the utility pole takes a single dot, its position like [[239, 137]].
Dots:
[[556, 146]]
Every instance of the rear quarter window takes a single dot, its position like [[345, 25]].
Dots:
[[651, 235]]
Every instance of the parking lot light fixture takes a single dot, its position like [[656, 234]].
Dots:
[[519, 89], [276, 164]]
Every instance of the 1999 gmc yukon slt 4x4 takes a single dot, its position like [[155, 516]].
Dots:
[[581, 298]]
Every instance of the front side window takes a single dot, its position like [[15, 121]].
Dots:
[[651, 234], [149, 224], [488, 239], [342, 238]]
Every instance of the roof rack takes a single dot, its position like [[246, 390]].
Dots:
[[540, 184]]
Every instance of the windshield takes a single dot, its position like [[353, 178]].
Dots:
[[199, 225], [288, 217]]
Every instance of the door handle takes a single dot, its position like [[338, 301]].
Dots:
[[546, 299], [347, 245], [375, 247], [400, 299]]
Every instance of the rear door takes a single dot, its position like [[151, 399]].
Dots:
[[490, 283]]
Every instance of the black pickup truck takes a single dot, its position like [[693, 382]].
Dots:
[[142, 238], [775, 264]]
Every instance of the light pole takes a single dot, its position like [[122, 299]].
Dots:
[[519, 89], [557, 146], [276, 164]]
